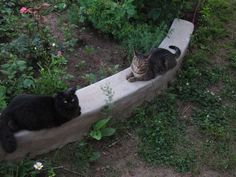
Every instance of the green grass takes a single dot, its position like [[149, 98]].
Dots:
[[160, 132], [162, 129]]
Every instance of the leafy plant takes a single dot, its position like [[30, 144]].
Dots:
[[84, 155], [19, 76], [90, 78], [69, 38], [73, 13], [60, 6], [80, 65], [158, 10], [3, 91], [89, 50], [116, 18], [26, 168], [51, 78], [144, 37], [23, 48], [100, 129], [108, 16], [106, 71]]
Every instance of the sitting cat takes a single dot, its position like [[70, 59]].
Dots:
[[159, 61], [31, 112]]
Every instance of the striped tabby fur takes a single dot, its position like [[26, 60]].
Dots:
[[159, 61]]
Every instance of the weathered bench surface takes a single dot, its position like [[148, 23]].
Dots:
[[126, 97]]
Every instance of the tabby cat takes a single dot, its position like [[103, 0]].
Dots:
[[159, 61], [32, 112]]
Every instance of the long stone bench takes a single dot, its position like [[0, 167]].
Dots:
[[126, 96]]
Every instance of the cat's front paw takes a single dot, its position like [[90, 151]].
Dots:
[[13, 126], [9, 144], [132, 79], [129, 76]]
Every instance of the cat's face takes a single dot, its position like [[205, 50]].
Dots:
[[67, 102], [139, 63]]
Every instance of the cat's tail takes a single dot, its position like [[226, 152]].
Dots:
[[177, 50], [7, 137]]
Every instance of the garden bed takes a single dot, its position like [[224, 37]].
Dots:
[[94, 98], [47, 47], [94, 56]]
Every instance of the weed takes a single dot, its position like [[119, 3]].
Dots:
[[100, 129], [60, 6], [3, 91], [84, 154], [27, 168], [218, 155], [80, 65], [90, 78], [115, 17], [105, 71], [109, 93], [213, 15], [157, 10], [69, 39], [73, 13], [19, 76], [52, 78], [89, 50], [158, 130], [231, 56]]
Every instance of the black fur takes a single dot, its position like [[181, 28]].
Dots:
[[31, 112]]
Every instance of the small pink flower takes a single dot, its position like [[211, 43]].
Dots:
[[24, 10]]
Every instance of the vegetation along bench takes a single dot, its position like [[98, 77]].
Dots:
[[124, 96]]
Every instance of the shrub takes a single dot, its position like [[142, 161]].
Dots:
[[118, 19], [2, 97], [26, 53], [52, 78], [17, 76], [158, 10], [108, 16]]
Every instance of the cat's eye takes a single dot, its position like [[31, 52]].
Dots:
[[73, 100], [65, 101]]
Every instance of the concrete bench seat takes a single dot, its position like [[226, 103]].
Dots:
[[127, 96]]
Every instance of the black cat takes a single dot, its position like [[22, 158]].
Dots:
[[31, 112]]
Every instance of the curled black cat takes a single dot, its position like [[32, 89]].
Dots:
[[159, 61], [34, 112]]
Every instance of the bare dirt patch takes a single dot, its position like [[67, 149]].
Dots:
[[94, 57], [100, 55], [122, 160], [185, 109]]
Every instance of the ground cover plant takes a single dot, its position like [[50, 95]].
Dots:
[[28, 57], [190, 128], [40, 40]]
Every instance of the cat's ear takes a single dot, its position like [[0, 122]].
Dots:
[[72, 90], [59, 94], [135, 53], [147, 57]]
